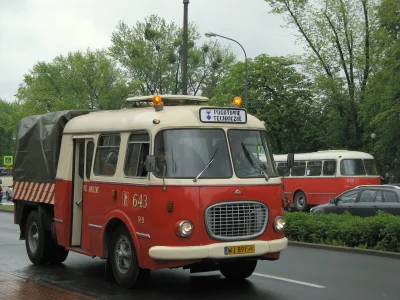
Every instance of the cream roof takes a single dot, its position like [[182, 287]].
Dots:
[[142, 118], [328, 154]]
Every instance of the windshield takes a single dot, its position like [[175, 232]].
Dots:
[[184, 153], [358, 167], [250, 152]]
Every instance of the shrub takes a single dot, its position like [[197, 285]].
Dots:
[[381, 232]]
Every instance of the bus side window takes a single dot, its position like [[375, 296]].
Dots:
[[329, 168], [137, 150], [314, 168], [107, 152], [281, 168], [299, 168]]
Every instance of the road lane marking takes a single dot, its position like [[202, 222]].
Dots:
[[290, 280]]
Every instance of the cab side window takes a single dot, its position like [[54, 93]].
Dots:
[[138, 149], [390, 196], [368, 196], [107, 155], [349, 197]]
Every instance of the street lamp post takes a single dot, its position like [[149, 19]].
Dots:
[[212, 34], [185, 47], [373, 136]]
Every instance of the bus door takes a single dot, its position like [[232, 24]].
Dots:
[[83, 156]]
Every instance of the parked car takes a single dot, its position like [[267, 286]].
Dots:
[[9, 193], [364, 201], [6, 182]]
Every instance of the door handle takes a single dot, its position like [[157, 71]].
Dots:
[[79, 203]]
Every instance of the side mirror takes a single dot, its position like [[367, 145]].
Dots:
[[150, 163], [290, 160], [333, 201]]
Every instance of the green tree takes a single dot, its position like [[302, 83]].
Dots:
[[339, 53], [10, 114], [381, 110], [89, 80], [151, 52], [281, 97]]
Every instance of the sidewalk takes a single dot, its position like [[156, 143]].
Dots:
[[14, 287]]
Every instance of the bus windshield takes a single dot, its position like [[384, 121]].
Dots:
[[184, 153], [251, 155], [358, 167]]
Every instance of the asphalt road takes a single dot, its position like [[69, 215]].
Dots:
[[301, 273]]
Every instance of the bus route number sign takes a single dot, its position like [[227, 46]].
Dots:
[[223, 115]]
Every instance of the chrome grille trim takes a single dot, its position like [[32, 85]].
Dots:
[[236, 220]]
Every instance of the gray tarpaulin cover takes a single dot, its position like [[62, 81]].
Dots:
[[38, 144]]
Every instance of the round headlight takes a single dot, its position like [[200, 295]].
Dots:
[[279, 223], [183, 228]]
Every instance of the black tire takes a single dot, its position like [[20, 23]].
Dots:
[[58, 254], [239, 270], [300, 201], [124, 260], [36, 240]]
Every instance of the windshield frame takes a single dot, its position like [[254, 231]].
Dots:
[[223, 139]]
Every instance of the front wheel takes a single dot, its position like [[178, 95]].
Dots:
[[238, 270], [124, 260], [58, 255]]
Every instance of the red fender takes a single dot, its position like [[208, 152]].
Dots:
[[118, 214]]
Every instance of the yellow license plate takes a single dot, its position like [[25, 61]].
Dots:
[[232, 250]]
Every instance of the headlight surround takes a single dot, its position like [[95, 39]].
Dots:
[[183, 228], [279, 223]]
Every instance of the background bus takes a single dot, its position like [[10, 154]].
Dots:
[[317, 177]]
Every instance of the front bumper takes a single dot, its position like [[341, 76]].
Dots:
[[216, 251]]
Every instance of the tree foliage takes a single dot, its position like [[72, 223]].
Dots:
[[89, 80], [151, 52], [278, 95], [340, 53], [381, 110]]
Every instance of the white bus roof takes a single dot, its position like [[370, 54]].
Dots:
[[328, 154], [142, 118]]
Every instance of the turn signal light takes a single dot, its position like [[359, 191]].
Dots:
[[237, 101]]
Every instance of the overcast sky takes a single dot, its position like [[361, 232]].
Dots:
[[39, 30]]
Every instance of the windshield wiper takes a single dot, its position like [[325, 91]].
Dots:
[[249, 156], [209, 163]]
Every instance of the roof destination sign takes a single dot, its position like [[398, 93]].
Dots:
[[223, 115]]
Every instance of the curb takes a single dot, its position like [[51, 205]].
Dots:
[[5, 210], [395, 255]]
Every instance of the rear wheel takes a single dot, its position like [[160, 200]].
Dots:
[[239, 270], [300, 201], [124, 260], [36, 240]]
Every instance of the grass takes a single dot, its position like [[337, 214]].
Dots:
[[7, 207]]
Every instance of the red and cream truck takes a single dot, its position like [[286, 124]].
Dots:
[[173, 183]]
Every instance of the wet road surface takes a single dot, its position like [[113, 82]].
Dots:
[[301, 273]]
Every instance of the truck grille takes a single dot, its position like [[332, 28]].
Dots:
[[236, 220]]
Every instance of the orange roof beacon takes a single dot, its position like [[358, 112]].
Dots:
[[174, 183]]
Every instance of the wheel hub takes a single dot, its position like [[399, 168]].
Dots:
[[123, 254]]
